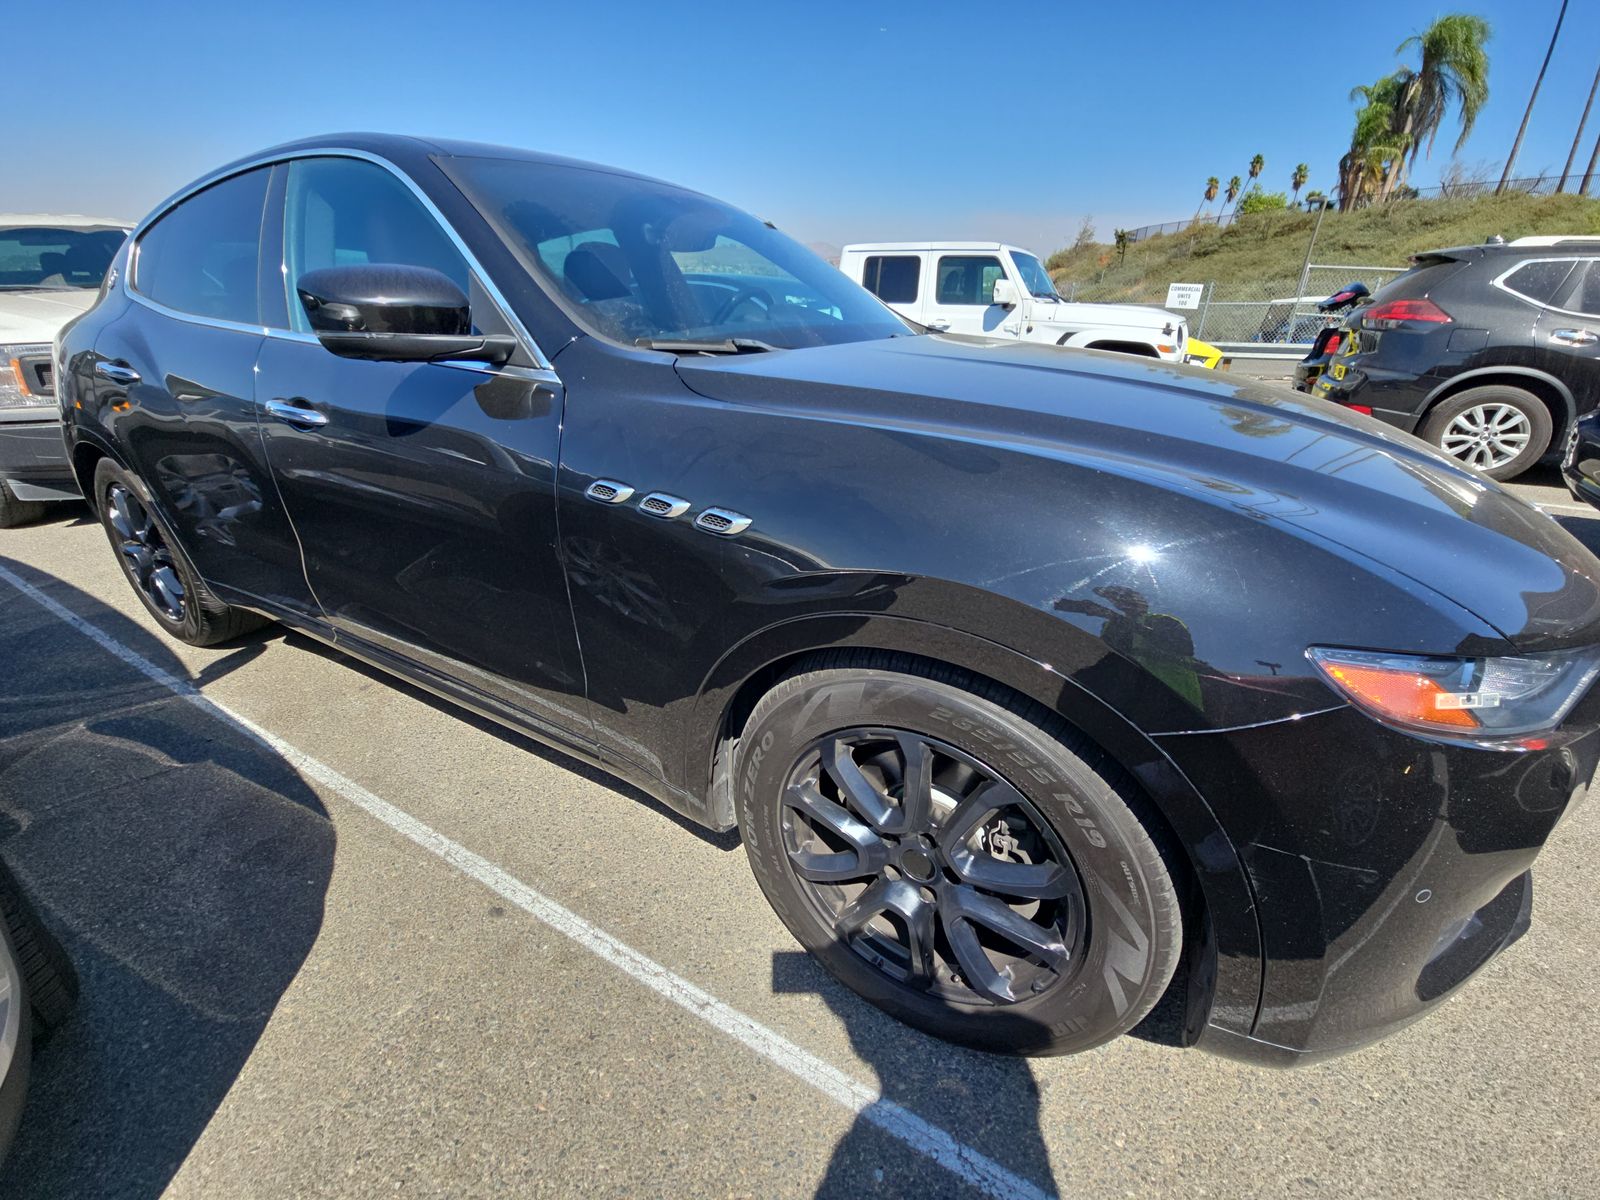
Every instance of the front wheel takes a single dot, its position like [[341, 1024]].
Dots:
[[1498, 430], [957, 857]]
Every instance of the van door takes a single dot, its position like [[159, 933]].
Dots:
[[961, 297]]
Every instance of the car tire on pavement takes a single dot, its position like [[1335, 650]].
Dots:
[[157, 570], [15, 512], [47, 974], [956, 854], [1498, 430]]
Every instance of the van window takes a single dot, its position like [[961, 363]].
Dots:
[[968, 278], [892, 278], [200, 257]]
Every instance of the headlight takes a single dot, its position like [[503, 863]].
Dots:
[[16, 378], [1500, 702]]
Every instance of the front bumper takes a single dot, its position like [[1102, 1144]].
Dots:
[[1387, 870], [33, 460]]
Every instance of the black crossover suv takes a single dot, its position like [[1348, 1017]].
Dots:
[[1028, 675], [1489, 352]]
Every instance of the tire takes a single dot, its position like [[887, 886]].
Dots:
[[1522, 419], [14, 512], [47, 974], [156, 567], [1105, 909]]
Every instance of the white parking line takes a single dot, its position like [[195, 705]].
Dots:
[[863, 1099]]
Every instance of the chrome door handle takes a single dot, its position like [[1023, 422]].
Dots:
[[117, 373], [1574, 337], [938, 326], [300, 415]]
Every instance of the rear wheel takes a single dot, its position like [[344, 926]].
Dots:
[[15, 512], [956, 856], [1498, 430], [162, 579], [47, 974]]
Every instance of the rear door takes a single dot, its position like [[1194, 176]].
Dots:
[[422, 493], [1569, 334], [177, 373], [961, 296]]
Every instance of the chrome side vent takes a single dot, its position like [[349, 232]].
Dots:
[[659, 504], [608, 491], [722, 521]]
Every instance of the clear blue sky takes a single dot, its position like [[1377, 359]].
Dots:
[[841, 122]]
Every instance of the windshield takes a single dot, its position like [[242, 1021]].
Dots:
[[40, 258], [637, 261], [1034, 277]]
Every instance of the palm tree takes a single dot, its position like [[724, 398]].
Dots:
[[1375, 143], [1120, 237], [1516, 146], [1231, 195], [1578, 137], [1315, 200], [1454, 71], [1302, 172], [1210, 195], [1257, 164]]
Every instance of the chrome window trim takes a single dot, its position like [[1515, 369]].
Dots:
[[1500, 282], [542, 363]]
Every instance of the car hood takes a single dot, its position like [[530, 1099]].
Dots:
[[37, 316], [1131, 316], [1270, 452]]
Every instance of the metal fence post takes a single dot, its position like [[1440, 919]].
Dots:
[[1205, 306]]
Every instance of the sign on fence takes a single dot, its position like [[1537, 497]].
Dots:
[[1184, 295]]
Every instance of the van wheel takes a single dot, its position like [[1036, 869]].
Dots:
[[14, 512], [956, 855], [1497, 430], [161, 577]]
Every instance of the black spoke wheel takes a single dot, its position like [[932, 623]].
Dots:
[[145, 554], [161, 576], [931, 867], [957, 855]]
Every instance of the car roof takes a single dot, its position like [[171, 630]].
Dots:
[[61, 221], [866, 247]]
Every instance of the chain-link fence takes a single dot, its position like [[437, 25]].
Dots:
[[1265, 311]]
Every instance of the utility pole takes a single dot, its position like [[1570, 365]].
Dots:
[[1516, 146], [1588, 175], [1578, 137]]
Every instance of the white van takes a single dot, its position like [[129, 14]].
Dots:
[[995, 290]]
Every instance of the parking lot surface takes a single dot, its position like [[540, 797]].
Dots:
[[339, 938]]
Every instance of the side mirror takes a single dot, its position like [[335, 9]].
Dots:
[[387, 312], [1005, 293]]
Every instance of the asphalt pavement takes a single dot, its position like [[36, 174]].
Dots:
[[338, 938]]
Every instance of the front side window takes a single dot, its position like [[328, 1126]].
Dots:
[[1586, 296], [1539, 281], [346, 212], [968, 278], [636, 261], [892, 278], [200, 257], [46, 259]]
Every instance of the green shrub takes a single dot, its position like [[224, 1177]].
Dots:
[[1255, 200]]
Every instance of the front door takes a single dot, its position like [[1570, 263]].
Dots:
[[1568, 335], [961, 298], [423, 493]]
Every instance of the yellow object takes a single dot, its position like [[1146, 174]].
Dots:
[[1203, 354]]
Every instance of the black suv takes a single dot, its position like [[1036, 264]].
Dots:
[[1488, 352], [1024, 672]]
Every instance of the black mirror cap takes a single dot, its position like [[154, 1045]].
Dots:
[[384, 298]]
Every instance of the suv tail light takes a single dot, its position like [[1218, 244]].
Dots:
[[1334, 342], [1389, 313]]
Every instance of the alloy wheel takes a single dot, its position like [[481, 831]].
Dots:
[[145, 554], [1487, 436], [932, 868]]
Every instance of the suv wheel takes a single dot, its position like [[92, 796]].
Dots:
[[161, 577], [1497, 430], [17, 512], [957, 856]]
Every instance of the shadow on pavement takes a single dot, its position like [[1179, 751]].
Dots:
[[987, 1101], [182, 864]]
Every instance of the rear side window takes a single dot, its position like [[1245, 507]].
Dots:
[[968, 278], [892, 278], [1540, 282], [345, 212], [200, 257]]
